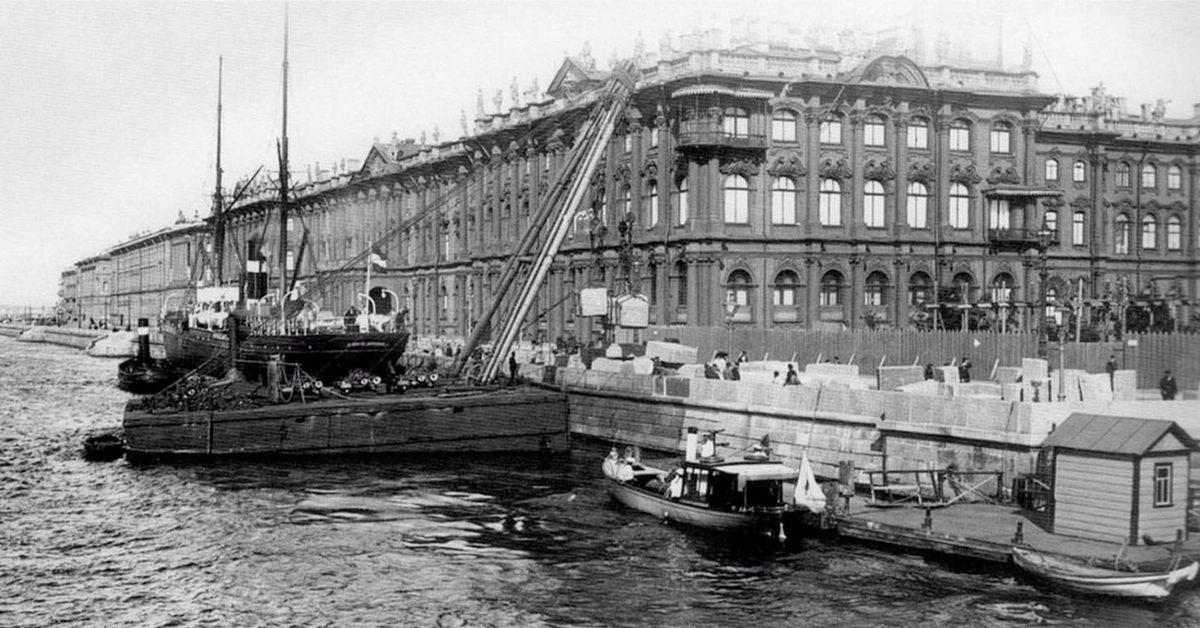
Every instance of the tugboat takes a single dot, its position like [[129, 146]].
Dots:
[[142, 374]]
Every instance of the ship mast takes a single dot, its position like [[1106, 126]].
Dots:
[[218, 210], [282, 148]]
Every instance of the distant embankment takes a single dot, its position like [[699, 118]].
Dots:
[[78, 338], [11, 330]]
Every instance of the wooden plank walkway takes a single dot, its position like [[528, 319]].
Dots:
[[984, 531]]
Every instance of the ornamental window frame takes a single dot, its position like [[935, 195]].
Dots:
[[1174, 233], [1052, 169], [960, 135], [917, 134], [1149, 176], [875, 131], [1121, 175], [1000, 138], [1174, 177], [1078, 224], [1079, 171]]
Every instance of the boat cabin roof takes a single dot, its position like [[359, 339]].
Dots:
[[753, 471]]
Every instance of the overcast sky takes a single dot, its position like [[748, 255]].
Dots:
[[108, 109]]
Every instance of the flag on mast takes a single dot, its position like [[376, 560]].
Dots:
[[376, 258]]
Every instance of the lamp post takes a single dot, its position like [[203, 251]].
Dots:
[[731, 307], [1045, 237]]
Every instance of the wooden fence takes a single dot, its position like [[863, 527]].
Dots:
[[1149, 354]]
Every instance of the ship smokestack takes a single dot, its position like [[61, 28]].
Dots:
[[690, 445], [143, 333]]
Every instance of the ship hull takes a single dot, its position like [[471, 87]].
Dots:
[[326, 356], [512, 420]]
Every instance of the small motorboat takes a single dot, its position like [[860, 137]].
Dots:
[[1076, 576], [145, 377], [103, 447], [705, 490]]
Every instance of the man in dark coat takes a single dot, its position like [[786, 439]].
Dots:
[[1111, 367], [1167, 386]]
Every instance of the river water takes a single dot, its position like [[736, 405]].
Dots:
[[434, 541]]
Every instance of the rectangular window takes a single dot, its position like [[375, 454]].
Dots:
[[1000, 141], [998, 213], [918, 135], [1163, 482], [784, 297], [1077, 229], [960, 138], [873, 133], [1174, 178], [831, 131]]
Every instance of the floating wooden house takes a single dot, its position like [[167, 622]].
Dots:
[[1119, 478]]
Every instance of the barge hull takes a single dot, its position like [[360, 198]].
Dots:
[[522, 420]]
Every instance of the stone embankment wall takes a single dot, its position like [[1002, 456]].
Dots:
[[875, 429], [66, 336]]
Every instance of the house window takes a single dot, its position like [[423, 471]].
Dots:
[[1052, 170], [1050, 220], [918, 205], [831, 289], [1164, 484], [831, 130], [1079, 172], [737, 199], [740, 286], [920, 289], [1121, 235], [1001, 137], [679, 283], [1149, 176], [1174, 234], [960, 206], [873, 131], [830, 203], [1174, 178], [918, 133], [1002, 288], [681, 201], [960, 135], [652, 203], [654, 137], [783, 201], [876, 285], [1077, 228], [998, 213], [873, 204], [628, 147], [736, 122], [1122, 175], [783, 126], [1149, 232], [784, 292]]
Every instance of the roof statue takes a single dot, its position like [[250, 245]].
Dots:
[[479, 113], [498, 100], [515, 91], [462, 121]]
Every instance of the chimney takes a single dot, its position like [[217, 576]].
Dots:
[[1196, 111], [1145, 111]]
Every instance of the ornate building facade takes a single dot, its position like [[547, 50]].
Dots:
[[773, 185]]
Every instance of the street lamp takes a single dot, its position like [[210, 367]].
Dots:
[[731, 307], [1045, 237]]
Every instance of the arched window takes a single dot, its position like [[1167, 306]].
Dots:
[[1002, 288], [831, 288], [920, 289], [1052, 170], [1149, 232], [1122, 175], [965, 284], [783, 201], [960, 206], [918, 133], [1174, 233], [652, 204], [1079, 172], [1001, 138], [736, 122], [1077, 226], [681, 201], [783, 126], [1174, 177], [875, 293], [740, 286], [1050, 221], [918, 205], [1149, 176], [831, 130], [1121, 235], [960, 135], [874, 131], [737, 199], [873, 204], [830, 203], [784, 292]]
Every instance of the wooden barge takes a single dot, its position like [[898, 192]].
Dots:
[[522, 419]]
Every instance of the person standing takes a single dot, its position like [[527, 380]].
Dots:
[[512, 366], [1111, 367], [964, 370], [1167, 386]]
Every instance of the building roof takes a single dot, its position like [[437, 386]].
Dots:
[[1119, 435]]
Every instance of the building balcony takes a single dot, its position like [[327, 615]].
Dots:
[[695, 134], [1021, 239]]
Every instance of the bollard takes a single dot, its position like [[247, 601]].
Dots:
[[1019, 537]]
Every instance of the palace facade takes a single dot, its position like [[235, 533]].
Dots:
[[767, 184]]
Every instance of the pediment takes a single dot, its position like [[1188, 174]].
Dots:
[[571, 79]]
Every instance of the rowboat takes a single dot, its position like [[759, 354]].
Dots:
[[709, 492], [1098, 580]]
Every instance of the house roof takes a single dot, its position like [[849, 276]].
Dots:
[[1115, 434]]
